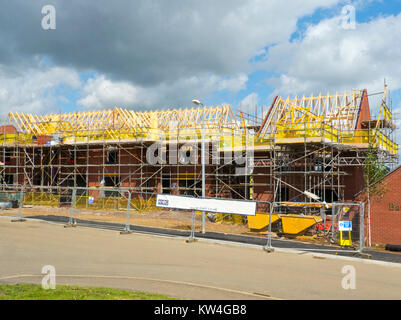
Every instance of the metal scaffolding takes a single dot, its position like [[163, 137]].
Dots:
[[303, 146]]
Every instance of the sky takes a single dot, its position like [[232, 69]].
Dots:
[[158, 54]]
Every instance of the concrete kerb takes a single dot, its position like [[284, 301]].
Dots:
[[236, 244]]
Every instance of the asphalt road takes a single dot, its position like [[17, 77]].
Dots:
[[167, 265]]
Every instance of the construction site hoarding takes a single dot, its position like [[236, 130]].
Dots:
[[226, 206]]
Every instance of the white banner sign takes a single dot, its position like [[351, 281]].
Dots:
[[227, 206]]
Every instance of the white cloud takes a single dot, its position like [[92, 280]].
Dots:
[[34, 89], [101, 92], [249, 103], [233, 84], [331, 58]]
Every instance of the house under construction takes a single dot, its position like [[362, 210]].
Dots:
[[310, 145]]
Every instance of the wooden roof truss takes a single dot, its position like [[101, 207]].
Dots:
[[339, 111], [120, 119]]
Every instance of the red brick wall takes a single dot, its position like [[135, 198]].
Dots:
[[353, 181], [385, 213], [9, 129], [364, 113]]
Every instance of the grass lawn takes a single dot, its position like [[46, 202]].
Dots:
[[36, 292]]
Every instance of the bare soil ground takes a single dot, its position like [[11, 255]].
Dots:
[[171, 219]]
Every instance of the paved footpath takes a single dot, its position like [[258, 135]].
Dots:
[[170, 266]]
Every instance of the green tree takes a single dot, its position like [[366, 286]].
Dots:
[[374, 172]]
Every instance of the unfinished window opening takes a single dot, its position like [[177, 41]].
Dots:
[[190, 187], [7, 179], [166, 183], [37, 181], [328, 195], [241, 187], [114, 182], [150, 186], [80, 182], [7, 157], [112, 157], [284, 194]]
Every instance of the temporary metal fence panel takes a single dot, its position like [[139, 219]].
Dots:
[[343, 229]]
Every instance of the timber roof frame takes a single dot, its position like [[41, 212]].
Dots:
[[121, 119]]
